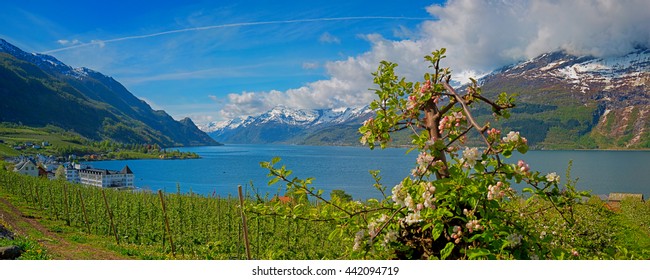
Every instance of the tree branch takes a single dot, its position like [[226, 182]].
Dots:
[[481, 129]]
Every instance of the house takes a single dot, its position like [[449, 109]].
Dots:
[[43, 173], [51, 167], [614, 199], [27, 167], [107, 178]]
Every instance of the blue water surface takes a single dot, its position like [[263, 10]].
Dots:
[[222, 168]]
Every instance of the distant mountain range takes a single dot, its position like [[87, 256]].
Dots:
[[39, 90], [292, 126], [564, 102]]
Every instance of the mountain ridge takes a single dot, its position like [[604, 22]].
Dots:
[[600, 102], [40, 90]]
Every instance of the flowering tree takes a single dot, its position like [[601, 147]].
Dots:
[[457, 203]]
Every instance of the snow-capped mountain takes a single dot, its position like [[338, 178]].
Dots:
[[45, 61], [585, 73], [293, 123], [568, 101], [295, 117]]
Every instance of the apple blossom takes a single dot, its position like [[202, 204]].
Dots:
[[358, 238], [470, 155], [552, 177], [512, 136]]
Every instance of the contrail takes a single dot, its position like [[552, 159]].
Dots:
[[96, 42]]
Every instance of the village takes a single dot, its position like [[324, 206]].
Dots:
[[51, 168]]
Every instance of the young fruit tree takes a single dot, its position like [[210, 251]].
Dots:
[[458, 201]]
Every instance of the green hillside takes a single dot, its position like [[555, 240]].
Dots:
[[86, 102], [51, 140]]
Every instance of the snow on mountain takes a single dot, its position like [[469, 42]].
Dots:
[[286, 125], [44, 61], [585, 72], [305, 118], [580, 101], [284, 115], [229, 124]]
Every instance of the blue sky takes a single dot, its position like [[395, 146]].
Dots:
[[214, 60]]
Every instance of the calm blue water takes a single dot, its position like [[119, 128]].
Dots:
[[221, 169]]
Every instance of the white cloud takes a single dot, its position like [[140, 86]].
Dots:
[[99, 43], [65, 42], [329, 38], [151, 104], [201, 118], [310, 65], [480, 36], [483, 35]]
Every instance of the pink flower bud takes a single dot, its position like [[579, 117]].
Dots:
[[426, 86]]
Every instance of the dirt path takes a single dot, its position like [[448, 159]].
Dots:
[[55, 245]]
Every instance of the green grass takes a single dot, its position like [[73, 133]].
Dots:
[[18, 135], [32, 250]]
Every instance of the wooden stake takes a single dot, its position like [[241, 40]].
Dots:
[[40, 200], [83, 207], [243, 218], [169, 233], [66, 207], [110, 217]]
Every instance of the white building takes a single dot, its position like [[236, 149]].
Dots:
[[27, 167], [71, 173], [107, 178]]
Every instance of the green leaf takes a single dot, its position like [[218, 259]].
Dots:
[[437, 231], [477, 253], [479, 167], [445, 252], [522, 149], [274, 180]]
